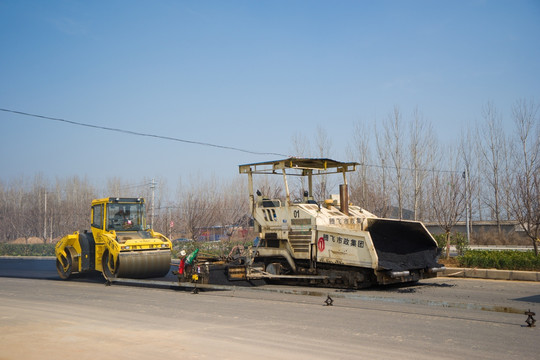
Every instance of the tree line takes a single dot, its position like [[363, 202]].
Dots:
[[36, 208], [404, 172]]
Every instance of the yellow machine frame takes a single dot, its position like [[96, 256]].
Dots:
[[143, 251]]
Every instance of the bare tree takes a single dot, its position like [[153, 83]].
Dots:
[[154, 190], [323, 149], [232, 205], [448, 198], [361, 180], [383, 207], [115, 187], [393, 135], [199, 204], [300, 148], [300, 145], [493, 152], [423, 153], [4, 212], [269, 186], [75, 196], [524, 192], [12, 210], [469, 158]]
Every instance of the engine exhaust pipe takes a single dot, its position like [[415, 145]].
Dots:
[[437, 269], [344, 199], [396, 274]]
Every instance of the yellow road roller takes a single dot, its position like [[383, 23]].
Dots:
[[119, 245]]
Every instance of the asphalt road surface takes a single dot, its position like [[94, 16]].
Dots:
[[44, 317]]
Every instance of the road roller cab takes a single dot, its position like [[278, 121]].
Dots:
[[120, 244]]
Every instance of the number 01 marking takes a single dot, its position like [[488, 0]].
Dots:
[[296, 213]]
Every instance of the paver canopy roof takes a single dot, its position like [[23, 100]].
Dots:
[[314, 166]]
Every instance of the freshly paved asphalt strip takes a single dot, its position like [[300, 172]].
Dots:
[[475, 273]]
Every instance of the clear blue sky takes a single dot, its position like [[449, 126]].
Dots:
[[246, 74]]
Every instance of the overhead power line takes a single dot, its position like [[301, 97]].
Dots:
[[198, 142], [411, 169], [141, 134]]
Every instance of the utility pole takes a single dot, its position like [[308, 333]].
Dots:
[[169, 218], [467, 210], [152, 187], [45, 220]]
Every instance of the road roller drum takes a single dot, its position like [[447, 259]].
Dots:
[[143, 264]]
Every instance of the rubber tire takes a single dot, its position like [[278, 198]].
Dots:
[[107, 273], [64, 275]]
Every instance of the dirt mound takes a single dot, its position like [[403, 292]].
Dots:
[[30, 240], [56, 239], [34, 240]]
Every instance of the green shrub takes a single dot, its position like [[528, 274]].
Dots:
[[460, 241], [503, 260], [441, 240], [26, 249], [209, 248], [457, 239]]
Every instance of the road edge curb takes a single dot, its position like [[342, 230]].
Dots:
[[491, 274]]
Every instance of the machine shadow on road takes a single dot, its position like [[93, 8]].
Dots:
[[534, 299], [45, 269]]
